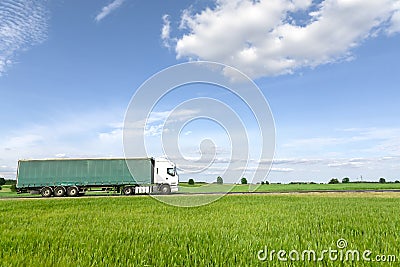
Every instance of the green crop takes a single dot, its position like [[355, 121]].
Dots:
[[140, 231]]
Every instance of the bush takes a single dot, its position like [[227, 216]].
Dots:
[[220, 180], [333, 181], [13, 188], [191, 181], [346, 180], [243, 180], [0, 188], [382, 180]]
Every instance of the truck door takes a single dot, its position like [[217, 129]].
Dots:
[[165, 172]]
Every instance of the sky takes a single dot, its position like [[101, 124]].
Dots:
[[328, 69]]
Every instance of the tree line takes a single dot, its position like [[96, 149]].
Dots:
[[345, 180]]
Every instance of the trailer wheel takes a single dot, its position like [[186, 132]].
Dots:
[[165, 189], [59, 191], [46, 191], [127, 190], [72, 191]]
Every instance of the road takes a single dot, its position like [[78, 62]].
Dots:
[[223, 193]]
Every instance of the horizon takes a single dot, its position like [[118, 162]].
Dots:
[[66, 85]]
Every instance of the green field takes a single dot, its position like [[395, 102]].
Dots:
[[184, 188], [6, 191], [204, 188], [140, 231]]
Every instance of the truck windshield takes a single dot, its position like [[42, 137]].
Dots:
[[171, 171]]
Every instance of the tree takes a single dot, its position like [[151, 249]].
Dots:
[[382, 180], [243, 180], [397, 181], [220, 180], [334, 181], [346, 180], [191, 181], [2, 181]]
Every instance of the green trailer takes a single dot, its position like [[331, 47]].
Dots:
[[71, 177]]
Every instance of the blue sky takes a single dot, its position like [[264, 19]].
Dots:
[[329, 70]]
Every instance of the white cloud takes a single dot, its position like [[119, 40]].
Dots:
[[106, 10], [154, 130], [274, 169], [115, 135], [315, 141], [23, 23], [273, 37], [166, 31], [26, 140], [161, 121], [8, 172], [395, 19], [376, 141], [323, 169], [346, 164], [395, 27], [93, 134]]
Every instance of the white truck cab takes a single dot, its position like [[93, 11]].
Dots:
[[165, 173]]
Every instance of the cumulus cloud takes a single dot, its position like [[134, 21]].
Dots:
[[273, 37], [106, 10], [394, 25], [23, 23]]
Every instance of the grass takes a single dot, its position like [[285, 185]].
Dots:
[[139, 231], [5, 189], [6, 192]]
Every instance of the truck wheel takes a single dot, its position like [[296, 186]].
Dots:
[[59, 191], [46, 191], [127, 191], [72, 191], [165, 189]]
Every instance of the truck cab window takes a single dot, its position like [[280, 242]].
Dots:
[[171, 171]]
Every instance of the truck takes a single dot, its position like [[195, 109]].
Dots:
[[74, 177]]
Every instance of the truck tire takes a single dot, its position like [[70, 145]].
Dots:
[[165, 189], [128, 190], [59, 191], [46, 191], [72, 191]]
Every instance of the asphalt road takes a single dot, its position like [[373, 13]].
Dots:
[[224, 193]]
